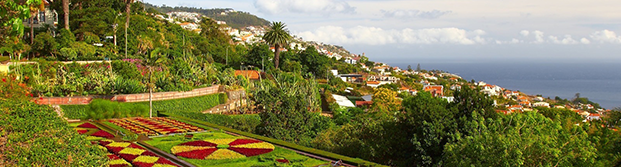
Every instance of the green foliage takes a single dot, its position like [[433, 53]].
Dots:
[[38, 137], [44, 44], [527, 139], [562, 115], [68, 54], [355, 161], [288, 103], [128, 86], [75, 111], [192, 104], [105, 109], [126, 70]]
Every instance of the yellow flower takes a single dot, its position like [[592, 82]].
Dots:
[[118, 162], [146, 159], [224, 154], [132, 151], [256, 145], [220, 141], [119, 144]]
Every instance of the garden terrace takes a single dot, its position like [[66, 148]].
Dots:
[[300, 149], [154, 126]]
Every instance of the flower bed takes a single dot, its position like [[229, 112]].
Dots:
[[222, 148], [154, 126], [137, 155], [92, 131]]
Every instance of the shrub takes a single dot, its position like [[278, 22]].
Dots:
[[128, 86], [223, 98], [192, 104], [126, 69], [105, 109], [246, 123], [38, 137]]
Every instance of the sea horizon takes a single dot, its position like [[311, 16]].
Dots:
[[599, 82]]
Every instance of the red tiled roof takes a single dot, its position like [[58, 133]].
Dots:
[[594, 115], [363, 103], [373, 82], [251, 74]]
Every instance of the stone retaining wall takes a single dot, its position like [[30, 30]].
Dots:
[[84, 100]]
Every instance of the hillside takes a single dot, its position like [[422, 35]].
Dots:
[[235, 19]]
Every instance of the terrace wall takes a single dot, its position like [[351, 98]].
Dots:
[[84, 100]]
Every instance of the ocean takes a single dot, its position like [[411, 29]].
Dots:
[[599, 82]]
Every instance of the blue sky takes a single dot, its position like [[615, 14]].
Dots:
[[448, 30]]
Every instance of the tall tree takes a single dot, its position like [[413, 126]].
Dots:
[[66, 13], [279, 36], [35, 7], [151, 60], [128, 4]]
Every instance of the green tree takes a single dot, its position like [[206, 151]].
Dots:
[[288, 105], [45, 44], [428, 125], [150, 61], [527, 139], [279, 36]]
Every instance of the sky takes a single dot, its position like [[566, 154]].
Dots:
[[394, 31]]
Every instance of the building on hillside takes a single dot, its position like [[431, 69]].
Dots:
[[45, 16], [250, 74], [342, 101], [373, 84], [541, 104], [435, 90]]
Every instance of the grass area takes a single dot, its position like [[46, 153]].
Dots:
[[268, 159], [246, 123], [191, 105], [115, 127], [354, 161], [4, 58]]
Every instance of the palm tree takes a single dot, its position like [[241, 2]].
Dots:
[[66, 13], [150, 61], [279, 36], [128, 4], [35, 7]]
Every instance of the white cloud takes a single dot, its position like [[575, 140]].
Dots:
[[585, 41], [434, 14], [324, 7], [538, 37], [524, 33], [379, 36], [606, 36], [567, 40]]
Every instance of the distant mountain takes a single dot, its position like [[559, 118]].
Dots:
[[235, 19]]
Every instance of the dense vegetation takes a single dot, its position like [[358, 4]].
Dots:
[[236, 20], [34, 135], [102, 109]]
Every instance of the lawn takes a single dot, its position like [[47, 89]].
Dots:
[[267, 159]]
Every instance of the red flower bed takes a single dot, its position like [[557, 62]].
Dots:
[[244, 141], [199, 143], [82, 131], [102, 133], [251, 151], [197, 154], [88, 125], [154, 126], [282, 161]]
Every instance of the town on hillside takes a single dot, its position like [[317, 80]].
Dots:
[[122, 83]]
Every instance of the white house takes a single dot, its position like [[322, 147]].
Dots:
[[541, 104], [342, 101]]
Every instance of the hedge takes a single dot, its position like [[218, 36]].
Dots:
[[246, 123], [354, 161], [34, 135], [192, 104]]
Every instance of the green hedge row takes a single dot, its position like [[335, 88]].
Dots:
[[353, 161], [246, 123], [36, 136], [192, 104]]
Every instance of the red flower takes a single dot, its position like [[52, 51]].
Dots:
[[3, 79], [282, 160], [102, 133]]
